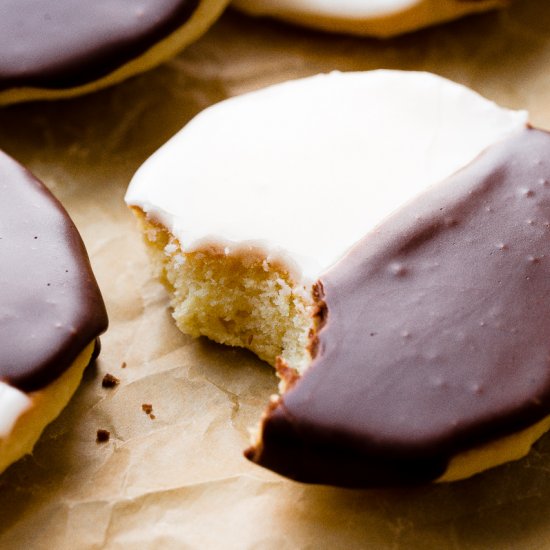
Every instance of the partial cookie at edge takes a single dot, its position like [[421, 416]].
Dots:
[[51, 311], [379, 18], [89, 46]]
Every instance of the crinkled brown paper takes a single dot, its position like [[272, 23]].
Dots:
[[180, 481]]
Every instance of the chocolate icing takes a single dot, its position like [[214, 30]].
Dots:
[[50, 304], [436, 332], [66, 43]]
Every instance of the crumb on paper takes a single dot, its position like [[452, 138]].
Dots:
[[110, 381], [124, 365], [103, 436], [147, 408]]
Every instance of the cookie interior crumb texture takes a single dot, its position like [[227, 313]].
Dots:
[[238, 300]]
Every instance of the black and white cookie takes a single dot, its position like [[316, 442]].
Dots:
[[381, 238], [51, 310]]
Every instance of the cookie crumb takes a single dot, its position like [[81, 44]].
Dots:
[[147, 408], [124, 365], [110, 381], [102, 436]]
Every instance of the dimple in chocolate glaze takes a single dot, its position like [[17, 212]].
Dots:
[[436, 336], [50, 304], [65, 43]]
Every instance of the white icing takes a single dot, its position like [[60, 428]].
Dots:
[[13, 403], [353, 9], [301, 171]]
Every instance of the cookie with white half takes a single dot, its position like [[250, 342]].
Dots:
[[381, 18], [381, 238], [51, 310], [55, 49]]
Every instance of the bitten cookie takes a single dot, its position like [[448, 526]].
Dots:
[[51, 310], [381, 239], [381, 18], [61, 48]]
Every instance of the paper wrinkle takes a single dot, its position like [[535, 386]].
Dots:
[[180, 481]]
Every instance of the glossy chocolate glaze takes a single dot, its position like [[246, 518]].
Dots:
[[50, 304], [66, 43], [435, 332]]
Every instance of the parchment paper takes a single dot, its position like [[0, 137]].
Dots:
[[179, 481]]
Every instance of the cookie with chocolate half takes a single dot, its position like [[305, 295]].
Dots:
[[381, 18], [381, 238], [53, 49], [51, 310]]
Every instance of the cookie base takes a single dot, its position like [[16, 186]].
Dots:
[[46, 405], [506, 449]]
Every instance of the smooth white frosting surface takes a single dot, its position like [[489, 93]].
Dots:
[[358, 9], [300, 171], [13, 403]]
